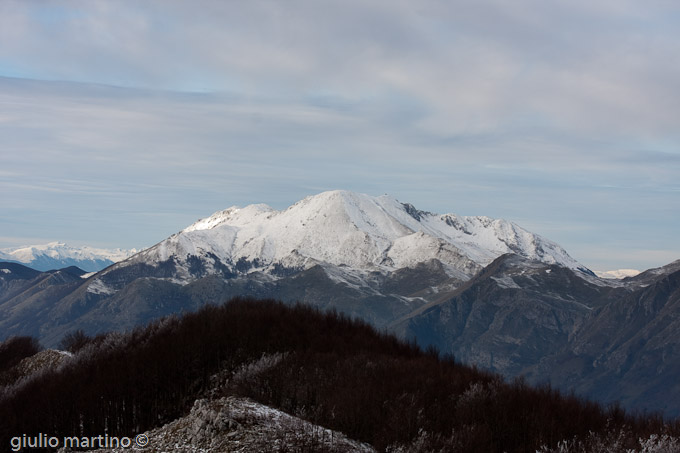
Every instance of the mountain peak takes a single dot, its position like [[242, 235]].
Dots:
[[228, 216], [359, 231]]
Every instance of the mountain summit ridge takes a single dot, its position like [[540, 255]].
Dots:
[[345, 228]]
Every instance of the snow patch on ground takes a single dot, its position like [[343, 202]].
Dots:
[[99, 287], [506, 282]]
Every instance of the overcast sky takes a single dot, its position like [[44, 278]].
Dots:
[[123, 122]]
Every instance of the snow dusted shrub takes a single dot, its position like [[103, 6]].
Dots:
[[419, 444], [660, 444], [73, 341], [251, 370], [616, 441], [563, 446], [612, 441], [478, 396], [462, 440], [253, 378], [477, 392], [427, 442], [101, 345]]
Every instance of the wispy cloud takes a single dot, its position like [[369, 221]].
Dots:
[[581, 66]]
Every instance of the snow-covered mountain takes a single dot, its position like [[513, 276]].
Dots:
[[57, 255], [618, 273], [347, 230]]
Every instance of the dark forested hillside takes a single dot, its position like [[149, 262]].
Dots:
[[326, 368]]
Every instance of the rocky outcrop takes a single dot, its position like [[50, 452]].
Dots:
[[240, 425]]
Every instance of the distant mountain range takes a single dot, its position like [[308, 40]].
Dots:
[[486, 290], [618, 273], [57, 255]]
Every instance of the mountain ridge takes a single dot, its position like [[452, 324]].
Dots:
[[58, 255], [355, 230]]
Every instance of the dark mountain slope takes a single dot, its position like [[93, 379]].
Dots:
[[518, 317], [630, 350], [27, 297], [510, 316], [143, 299], [13, 271], [651, 275]]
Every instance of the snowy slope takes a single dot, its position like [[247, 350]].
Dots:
[[359, 231], [56, 255]]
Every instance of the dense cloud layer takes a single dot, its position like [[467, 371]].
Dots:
[[560, 116]]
